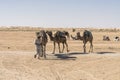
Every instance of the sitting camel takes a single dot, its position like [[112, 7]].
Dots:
[[116, 38], [106, 38], [59, 37], [87, 36]]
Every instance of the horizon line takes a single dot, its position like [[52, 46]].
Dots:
[[60, 27]]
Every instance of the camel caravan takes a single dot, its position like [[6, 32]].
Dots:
[[59, 37]]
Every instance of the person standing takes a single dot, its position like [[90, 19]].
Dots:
[[38, 44]]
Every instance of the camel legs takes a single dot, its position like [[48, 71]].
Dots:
[[63, 47], [59, 47], [54, 48], [44, 51], [66, 46], [84, 47], [91, 47]]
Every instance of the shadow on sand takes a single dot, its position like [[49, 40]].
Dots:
[[77, 53], [105, 52], [60, 56], [65, 56], [71, 55]]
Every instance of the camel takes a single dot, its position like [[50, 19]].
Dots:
[[43, 37], [87, 36], [116, 38], [59, 37], [106, 38]]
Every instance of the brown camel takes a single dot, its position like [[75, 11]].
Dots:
[[43, 37], [87, 36], [59, 37]]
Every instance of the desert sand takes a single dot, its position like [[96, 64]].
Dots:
[[17, 60]]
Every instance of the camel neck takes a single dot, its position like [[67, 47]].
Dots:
[[51, 37], [80, 37]]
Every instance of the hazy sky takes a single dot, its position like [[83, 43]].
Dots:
[[60, 13]]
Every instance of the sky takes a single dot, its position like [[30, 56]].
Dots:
[[60, 13]]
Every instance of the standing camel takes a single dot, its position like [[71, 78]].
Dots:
[[43, 38], [87, 36], [59, 37]]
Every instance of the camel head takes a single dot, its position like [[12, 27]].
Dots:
[[49, 33], [66, 33], [78, 33], [79, 36]]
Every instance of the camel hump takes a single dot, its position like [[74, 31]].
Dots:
[[59, 34], [87, 34], [66, 34]]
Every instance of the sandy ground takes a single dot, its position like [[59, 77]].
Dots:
[[75, 66], [17, 63]]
